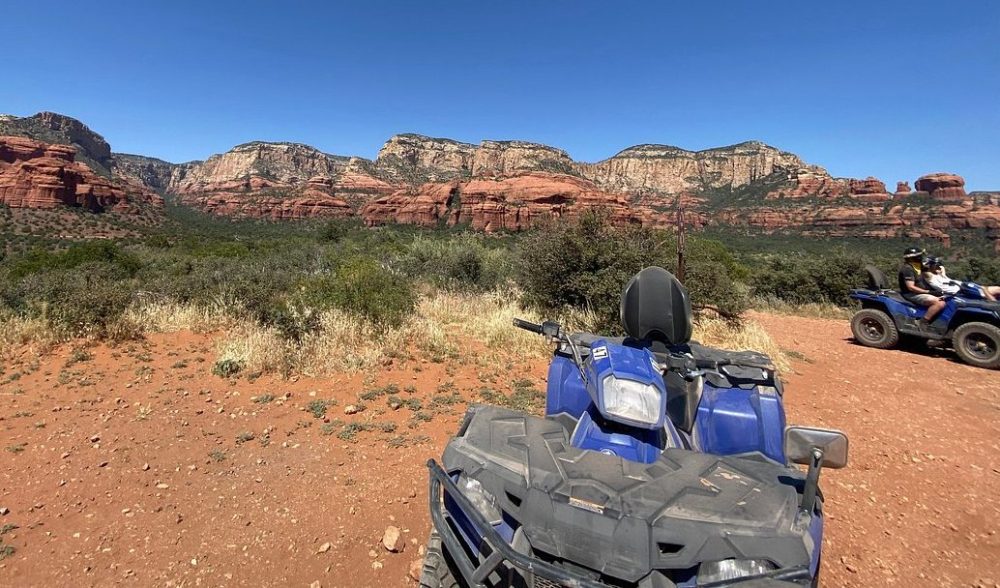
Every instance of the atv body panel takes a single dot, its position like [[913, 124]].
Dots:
[[735, 410], [620, 520]]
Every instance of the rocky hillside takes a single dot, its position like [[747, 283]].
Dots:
[[513, 185], [151, 172]]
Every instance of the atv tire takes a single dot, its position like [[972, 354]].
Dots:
[[874, 328], [436, 571], [978, 344]]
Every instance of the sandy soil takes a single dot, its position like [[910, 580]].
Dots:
[[135, 465]]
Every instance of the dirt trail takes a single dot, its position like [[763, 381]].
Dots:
[[136, 466], [919, 503]]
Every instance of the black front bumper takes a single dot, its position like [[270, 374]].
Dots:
[[500, 552]]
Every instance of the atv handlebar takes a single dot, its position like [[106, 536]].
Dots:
[[528, 326]]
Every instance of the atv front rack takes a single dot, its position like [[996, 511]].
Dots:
[[499, 550], [475, 574]]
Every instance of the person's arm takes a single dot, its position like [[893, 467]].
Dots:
[[911, 284]]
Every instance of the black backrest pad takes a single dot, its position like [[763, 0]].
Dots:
[[877, 280], [655, 306]]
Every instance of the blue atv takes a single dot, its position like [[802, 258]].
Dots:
[[659, 463], [969, 322]]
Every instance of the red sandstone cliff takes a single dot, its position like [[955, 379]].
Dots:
[[491, 186], [34, 174]]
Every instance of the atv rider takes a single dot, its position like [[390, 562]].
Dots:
[[915, 288], [936, 277]]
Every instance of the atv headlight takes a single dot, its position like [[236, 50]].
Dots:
[[484, 502], [631, 400], [732, 569]]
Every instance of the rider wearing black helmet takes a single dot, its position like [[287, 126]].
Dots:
[[915, 288]]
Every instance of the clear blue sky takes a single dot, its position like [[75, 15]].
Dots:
[[891, 89]]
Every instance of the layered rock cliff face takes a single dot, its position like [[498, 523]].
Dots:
[[59, 129], [34, 174], [153, 173], [277, 180], [514, 185], [494, 204], [671, 170]]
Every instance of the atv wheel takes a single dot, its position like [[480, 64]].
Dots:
[[436, 572], [874, 328], [978, 344]]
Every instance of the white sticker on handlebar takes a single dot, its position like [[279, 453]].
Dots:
[[600, 352]]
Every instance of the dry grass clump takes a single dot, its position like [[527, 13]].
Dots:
[[36, 333], [442, 328], [343, 343], [170, 317], [445, 326], [486, 318]]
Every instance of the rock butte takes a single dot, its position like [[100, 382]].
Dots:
[[514, 185], [34, 174]]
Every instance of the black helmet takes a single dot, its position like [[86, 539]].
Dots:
[[932, 261], [913, 253]]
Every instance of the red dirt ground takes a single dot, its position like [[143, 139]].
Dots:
[[133, 467]]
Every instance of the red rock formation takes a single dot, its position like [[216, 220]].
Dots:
[[868, 190], [510, 204], [38, 175], [425, 206], [942, 186], [276, 208], [902, 189], [517, 203]]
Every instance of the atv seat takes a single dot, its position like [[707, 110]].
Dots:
[[877, 279], [878, 284], [656, 314]]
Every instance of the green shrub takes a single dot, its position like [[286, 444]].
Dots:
[[804, 278], [587, 264], [227, 368], [981, 270], [361, 285], [105, 253], [467, 261], [85, 300]]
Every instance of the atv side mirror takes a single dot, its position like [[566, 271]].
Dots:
[[800, 443]]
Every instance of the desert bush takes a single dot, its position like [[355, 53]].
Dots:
[[337, 230], [587, 264], [363, 286], [466, 261], [982, 270], [87, 300], [106, 253], [808, 278]]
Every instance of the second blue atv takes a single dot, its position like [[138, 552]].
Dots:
[[969, 322], [659, 463]]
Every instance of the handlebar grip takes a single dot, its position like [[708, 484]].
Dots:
[[528, 326]]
